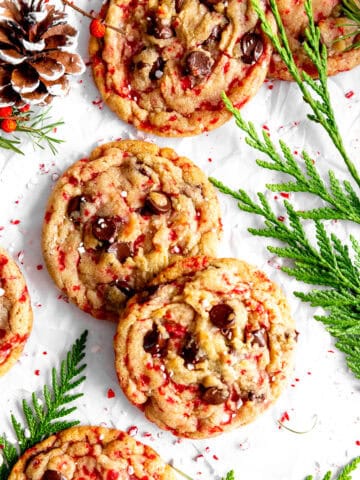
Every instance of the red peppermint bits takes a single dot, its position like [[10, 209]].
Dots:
[[8, 125], [97, 28]]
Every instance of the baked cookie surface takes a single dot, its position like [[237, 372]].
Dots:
[[115, 220], [332, 25], [208, 347], [15, 312], [166, 73], [91, 452]]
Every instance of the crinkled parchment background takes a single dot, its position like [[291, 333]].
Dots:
[[321, 387]]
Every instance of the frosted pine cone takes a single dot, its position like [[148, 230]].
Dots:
[[35, 61]]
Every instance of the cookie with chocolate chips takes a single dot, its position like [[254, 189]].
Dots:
[[15, 312], [338, 34], [166, 72], [208, 349], [115, 220], [91, 452]]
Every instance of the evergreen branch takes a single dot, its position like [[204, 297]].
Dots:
[[37, 127], [43, 420], [11, 144], [328, 263], [39, 130], [344, 474], [323, 112], [351, 9], [342, 199]]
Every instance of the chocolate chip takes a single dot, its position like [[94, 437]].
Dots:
[[252, 47], [198, 63], [210, 3], [145, 295], [157, 202], [222, 316], [158, 29], [121, 250], [157, 70], [104, 229], [124, 287], [178, 5], [190, 349], [260, 337], [154, 343], [214, 395], [74, 205], [53, 475]]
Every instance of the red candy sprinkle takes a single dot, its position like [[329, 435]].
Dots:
[[349, 94], [357, 443], [132, 431], [110, 393], [37, 372]]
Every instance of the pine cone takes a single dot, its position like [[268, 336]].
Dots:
[[35, 61]]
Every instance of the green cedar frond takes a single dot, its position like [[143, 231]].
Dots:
[[229, 476], [323, 112], [42, 416], [344, 474]]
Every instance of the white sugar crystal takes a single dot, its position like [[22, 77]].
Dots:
[[124, 194], [2, 292]]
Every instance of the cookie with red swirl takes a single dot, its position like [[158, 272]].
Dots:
[[165, 73], [207, 349], [115, 220], [15, 312], [91, 452]]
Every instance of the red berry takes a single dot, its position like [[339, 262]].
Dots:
[[5, 112], [97, 28], [8, 125], [25, 108]]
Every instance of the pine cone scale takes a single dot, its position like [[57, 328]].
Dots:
[[24, 79], [34, 59]]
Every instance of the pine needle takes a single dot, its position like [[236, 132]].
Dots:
[[44, 416]]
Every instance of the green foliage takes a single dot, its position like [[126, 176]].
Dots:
[[351, 9], [44, 417], [229, 476], [344, 474], [329, 262], [37, 127]]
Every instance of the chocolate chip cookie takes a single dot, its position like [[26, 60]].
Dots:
[[91, 452], [115, 220], [15, 312], [338, 34], [166, 72], [207, 348]]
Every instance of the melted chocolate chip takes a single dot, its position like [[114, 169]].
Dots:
[[121, 250], [124, 287], [210, 3], [190, 349], [252, 397], [154, 343], [157, 70], [198, 63], [104, 229], [252, 47], [178, 5], [53, 475], [157, 202], [222, 316], [158, 29], [214, 395], [73, 208], [145, 295], [260, 337]]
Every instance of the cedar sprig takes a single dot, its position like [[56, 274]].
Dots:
[[344, 474], [343, 201], [36, 126], [328, 264], [315, 93], [44, 417], [351, 9]]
